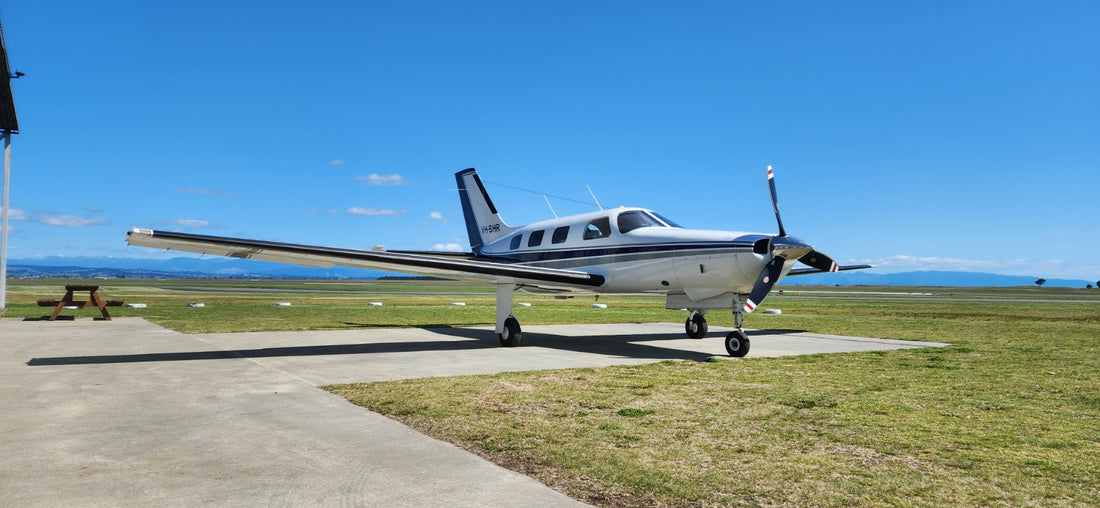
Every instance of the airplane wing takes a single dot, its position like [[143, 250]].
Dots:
[[841, 268], [442, 265]]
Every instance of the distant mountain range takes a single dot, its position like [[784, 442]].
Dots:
[[928, 278], [217, 267], [178, 268]]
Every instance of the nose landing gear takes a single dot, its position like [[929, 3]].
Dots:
[[737, 343]]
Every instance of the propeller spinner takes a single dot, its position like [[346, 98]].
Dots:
[[783, 248]]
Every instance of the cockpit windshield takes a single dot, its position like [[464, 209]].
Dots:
[[667, 222], [634, 219]]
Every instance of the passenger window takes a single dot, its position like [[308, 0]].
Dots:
[[536, 238], [560, 235], [516, 240], [599, 228]]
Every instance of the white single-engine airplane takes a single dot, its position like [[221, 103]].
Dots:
[[624, 250]]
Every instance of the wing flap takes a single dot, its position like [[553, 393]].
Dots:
[[324, 257]]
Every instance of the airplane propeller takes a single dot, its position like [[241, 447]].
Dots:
[[819, 261], [775, 201], [783, 248]]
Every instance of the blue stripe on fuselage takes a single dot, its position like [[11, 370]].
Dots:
[[563, 258]]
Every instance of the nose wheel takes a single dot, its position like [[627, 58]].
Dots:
[[737, 344]]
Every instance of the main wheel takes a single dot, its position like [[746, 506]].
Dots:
[[510, 336], [696, 326], [737, 344]]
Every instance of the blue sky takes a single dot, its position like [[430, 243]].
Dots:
[[913, 135]]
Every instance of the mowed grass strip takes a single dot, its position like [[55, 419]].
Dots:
[[405, 303], [1008, 415]]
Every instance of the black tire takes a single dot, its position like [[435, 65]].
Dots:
[[737, 344], [696, 326], [512, 334]]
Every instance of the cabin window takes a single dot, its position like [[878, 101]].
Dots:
[[560, 235], [599, 228], [516, 241], [536, 238]]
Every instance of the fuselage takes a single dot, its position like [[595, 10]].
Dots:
[[638, 251]]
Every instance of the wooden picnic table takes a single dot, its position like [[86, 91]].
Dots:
[[67, 301]]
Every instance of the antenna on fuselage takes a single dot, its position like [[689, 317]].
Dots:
[[551, 206], [594, 197]]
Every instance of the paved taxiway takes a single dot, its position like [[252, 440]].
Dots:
[[126, 413]]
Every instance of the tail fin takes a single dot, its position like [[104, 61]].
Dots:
[[483, 223]]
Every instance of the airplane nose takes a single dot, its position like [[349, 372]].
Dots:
[[790, 247]]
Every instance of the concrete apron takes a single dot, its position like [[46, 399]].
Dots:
[[126, 413]]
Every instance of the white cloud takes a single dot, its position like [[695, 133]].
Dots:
[[375, 212], [332, 211], [438, 216], [377, 179], [59, 219], [70, 221], [447, 247], [192, 190], [186, 223], [204, 192], [336, 162]]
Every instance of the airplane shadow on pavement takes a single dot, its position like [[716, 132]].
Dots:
[[625, 345]]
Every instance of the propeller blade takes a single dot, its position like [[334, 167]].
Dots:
[[764, 283], [775, 201], [819, 261]]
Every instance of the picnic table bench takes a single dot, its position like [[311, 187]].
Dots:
[[67, 301]]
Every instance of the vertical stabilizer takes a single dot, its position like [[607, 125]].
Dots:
[[483, 223]]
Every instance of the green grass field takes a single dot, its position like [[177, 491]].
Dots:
[[1009, 415]]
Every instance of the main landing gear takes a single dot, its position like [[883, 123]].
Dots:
[[511, 334], [696, 325], [737, 342], [508, 330]]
